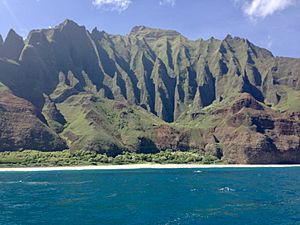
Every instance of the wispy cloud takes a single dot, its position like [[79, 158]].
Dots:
[[256, 9], [167, 2], [112, 5]]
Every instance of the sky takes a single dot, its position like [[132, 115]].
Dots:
[[272, 24]]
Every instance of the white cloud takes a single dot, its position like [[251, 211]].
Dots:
[[262, 8], [169, 2], [113, 5]]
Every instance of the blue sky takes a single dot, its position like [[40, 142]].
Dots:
[[273, 24]]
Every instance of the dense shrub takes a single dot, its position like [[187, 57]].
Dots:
[[69, 158]]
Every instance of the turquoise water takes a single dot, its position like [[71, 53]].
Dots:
[[148, 196]]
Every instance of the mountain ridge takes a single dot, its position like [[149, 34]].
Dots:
[[157, 73]]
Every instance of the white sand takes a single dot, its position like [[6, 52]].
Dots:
[[139, 166]]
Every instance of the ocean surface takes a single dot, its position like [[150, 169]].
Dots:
[[151, 196]]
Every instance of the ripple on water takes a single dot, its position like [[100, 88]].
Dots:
[[112, 195], [179, 196], [26, 182]]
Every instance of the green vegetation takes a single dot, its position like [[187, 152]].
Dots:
[[290, 100], [151, 90], [101, 123], [207, 117], [84, 158]]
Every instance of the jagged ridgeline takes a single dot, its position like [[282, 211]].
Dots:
[[112, 93]]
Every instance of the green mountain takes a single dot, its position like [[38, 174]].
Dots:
[[148, 91]]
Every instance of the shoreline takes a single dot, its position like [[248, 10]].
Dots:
[[142, 166]]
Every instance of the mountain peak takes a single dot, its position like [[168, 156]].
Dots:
[[1, 40], [95, 30], [12, 46], [13, 36], [148, 32], [97, 34], [137, 29], [228, 37], [68, 24]]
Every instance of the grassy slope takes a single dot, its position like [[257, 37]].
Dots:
[[91, 119], [206, 118], [290, 102]]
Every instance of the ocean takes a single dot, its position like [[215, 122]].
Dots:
[[151, 196]]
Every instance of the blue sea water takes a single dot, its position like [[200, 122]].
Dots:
[[151, 196]]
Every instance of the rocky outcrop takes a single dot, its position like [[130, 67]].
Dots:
[[253, 133], [170, 138]]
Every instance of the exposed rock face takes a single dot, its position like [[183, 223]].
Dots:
[[227, 97], [255, 134], [21, 127], [171, 138]]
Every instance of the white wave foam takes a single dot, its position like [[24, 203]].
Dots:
[[226, 189]]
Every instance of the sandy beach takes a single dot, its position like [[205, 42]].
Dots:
[[139, 166]]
